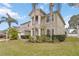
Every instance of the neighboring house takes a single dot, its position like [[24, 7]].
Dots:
[[2, 34], [24, 29], [42, 24], [73, 32]]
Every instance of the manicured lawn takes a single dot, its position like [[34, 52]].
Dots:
[[17, 47]]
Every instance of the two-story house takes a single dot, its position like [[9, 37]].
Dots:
[[42, 24]]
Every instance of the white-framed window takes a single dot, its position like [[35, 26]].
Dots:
[[48, 32], [52, 31]]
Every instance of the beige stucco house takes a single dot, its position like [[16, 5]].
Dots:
[[42, 24]]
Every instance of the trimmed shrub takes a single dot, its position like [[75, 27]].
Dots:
[[38, 39], [59, 37], [27, 36], [13, 34], [45, 38], [32, 39], [42, 38]]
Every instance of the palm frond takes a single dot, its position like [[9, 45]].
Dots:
[[1, 21], [11, 20], [15, 21], [3, 17]]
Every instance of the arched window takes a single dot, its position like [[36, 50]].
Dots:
[[48, 32]]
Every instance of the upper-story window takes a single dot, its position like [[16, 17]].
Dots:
[[49, 18], [36, 18]]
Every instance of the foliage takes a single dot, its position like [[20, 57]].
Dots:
[[32, 39], [13, 33], [59, 37], [73, 22], [42, 38], [45, 38], [27, 36], [8, 19], [39, 39]]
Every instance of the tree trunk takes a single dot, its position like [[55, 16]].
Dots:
[[8, 34]]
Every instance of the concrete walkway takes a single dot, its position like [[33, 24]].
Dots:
[[4, 39]]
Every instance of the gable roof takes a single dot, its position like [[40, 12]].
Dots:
[[60, 17], [25, 23], [48, 14], [38, 10]]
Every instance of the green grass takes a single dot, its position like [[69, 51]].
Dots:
[[70, 47]]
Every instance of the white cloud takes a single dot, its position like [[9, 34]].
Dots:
[[4, 10], [41, 7], [7, 5]]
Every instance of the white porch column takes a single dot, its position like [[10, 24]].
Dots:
[[78, 31], [39, 32], [19, 35], [39, 20]]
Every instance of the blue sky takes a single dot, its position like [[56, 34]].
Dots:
[[20, 11]]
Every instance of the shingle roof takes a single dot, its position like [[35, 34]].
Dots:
[[60, 17], [26, 22]]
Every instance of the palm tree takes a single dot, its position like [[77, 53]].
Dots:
[[9, 20]]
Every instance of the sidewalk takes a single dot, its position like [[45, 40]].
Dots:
[[4, 39]]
